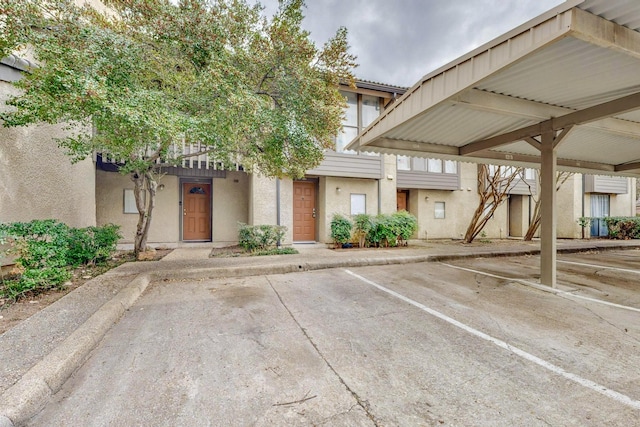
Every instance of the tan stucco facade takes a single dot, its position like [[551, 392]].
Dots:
[[230, 203], [37, 179]]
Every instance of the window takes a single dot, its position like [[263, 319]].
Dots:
[[370, 109], [434, 165], [439, 210], [344, 138], [360, 112], [529, 174], [404, 163], [358, 204], [450, 166], [419, 164], [130, 201]]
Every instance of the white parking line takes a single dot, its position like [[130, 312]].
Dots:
[[619, 397], [546, 288], [603, 267]]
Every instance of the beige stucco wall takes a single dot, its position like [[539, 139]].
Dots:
[[263, 199], [332, 201], [230, 206], [110, 188], [37, 180], [388, 198]]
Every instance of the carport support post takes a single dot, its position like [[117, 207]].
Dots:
[[548, 211]]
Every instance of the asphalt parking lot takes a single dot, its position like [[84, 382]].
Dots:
[[468, 342]]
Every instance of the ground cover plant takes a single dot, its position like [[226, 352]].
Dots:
[[46, 251]]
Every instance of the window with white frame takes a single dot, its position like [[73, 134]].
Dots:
[[403, 163], [529, 174], [361, 110], [420, 164], [439, 210], [358, 204], [130, 201]]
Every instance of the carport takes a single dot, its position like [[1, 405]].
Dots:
[[561, 91]]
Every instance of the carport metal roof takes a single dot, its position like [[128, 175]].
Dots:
[[560, 91]]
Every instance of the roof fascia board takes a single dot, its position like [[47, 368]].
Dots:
[[602, 32], [472, 68], [376, 93], [591, 114]]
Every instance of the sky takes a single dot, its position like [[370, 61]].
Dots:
[[397, 42]]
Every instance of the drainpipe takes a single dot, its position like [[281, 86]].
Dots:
[[278, 205], [583, 185], [379, 197]]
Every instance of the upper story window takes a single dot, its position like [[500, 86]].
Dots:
[[360, 112], [406, 163]]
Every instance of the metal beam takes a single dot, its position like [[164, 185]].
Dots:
[[587, 115], [627, 167], [548, 211]]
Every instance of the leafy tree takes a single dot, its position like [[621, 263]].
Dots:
[[494, 183], [141, 78]]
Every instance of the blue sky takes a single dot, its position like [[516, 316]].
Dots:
[[399, 41]]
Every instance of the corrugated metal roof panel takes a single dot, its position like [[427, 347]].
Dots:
[[597, 75], [622, 12]]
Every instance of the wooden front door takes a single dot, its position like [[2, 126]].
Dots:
[[402, 200], [304, 211], [196, 211]]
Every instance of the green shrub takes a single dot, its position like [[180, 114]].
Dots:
[[260, 237], [340, 229], [92, 245], [623, 228], [362, 224], [39, 243], [46, 248], [405, 225], [392, 230]]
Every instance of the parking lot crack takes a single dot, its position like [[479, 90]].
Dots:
[[364, 404]]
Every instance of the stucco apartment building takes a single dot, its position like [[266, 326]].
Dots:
[[38, 181]]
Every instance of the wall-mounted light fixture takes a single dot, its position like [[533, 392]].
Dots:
[[426, 198], [338, 189], [160, 187]]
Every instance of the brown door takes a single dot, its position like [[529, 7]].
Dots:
[[304, 211], [196, 211], [402, 201]]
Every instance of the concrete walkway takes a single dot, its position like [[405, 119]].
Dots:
[[40, 354]]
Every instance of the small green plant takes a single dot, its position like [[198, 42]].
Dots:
[[260, 237], [483, 237], [362, 224], [340, 229]]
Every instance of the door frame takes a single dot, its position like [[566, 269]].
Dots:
[[315, 182], [187, 180]]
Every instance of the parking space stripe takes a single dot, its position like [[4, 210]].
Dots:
[[546, 288], [619, 397], [603, 267]]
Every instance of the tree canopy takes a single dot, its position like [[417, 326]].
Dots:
[[151, 75]]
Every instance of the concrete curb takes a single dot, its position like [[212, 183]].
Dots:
[[33, 391]]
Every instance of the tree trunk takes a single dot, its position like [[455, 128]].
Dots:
[[535, 223], [561, 178], [143, 181]]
